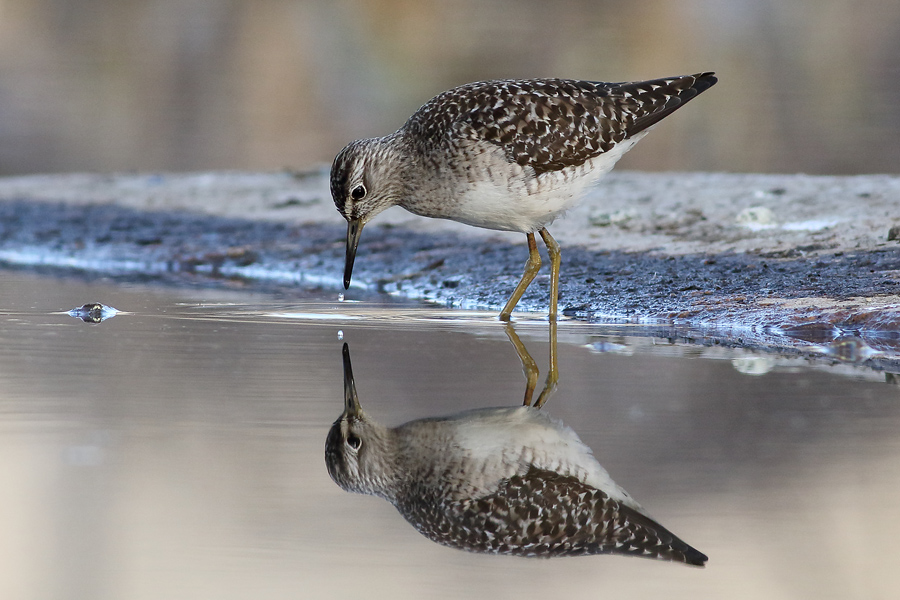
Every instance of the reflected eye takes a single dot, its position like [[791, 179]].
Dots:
[[358, 192], [354, 442]]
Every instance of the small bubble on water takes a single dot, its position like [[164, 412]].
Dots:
[[340, 297], [340, 334]]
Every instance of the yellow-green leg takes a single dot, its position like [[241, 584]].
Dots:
[[532, 266], [555, 260], [529, 367], [553, 373]]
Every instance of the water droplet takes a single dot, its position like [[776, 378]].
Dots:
[[340, 297], [340, 334]]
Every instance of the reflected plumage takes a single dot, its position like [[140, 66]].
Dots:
[[510, 155], [497, 480]]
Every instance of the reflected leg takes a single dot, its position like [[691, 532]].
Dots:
[[553, 373], [555, 260], [529, 367], [531, 269]]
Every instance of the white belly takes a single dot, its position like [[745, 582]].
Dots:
[[511, 199], [493, 206], [503, 442]]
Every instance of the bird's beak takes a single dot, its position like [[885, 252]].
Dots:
[[351, 401], [354, 229]]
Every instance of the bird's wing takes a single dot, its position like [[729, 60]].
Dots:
[[648, 102], [551, 124], [543, 513]]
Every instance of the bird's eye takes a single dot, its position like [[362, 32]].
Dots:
[[354, 442], [358, 192]]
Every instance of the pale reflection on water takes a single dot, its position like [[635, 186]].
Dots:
[[176, 451]]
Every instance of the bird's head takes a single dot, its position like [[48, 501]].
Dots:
[[359, 453], [364, 182]]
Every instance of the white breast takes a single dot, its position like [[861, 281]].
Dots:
[[503, 442], [507, 197]]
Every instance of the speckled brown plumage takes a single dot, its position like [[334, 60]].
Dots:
[[541, 514], [550, 124]]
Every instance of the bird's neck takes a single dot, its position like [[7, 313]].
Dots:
[[383, 465], [395, 165]]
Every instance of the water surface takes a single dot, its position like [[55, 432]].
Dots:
[[176, 451]]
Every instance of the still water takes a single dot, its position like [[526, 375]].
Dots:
[[176, 450]]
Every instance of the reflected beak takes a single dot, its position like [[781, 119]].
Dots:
[[354, 229], [351, 401]]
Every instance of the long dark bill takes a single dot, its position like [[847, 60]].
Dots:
[[354, 229], [351, 400]]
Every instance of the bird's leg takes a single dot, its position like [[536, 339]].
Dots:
[[553, 373], [555, 260], [532, 266], [529, 367]]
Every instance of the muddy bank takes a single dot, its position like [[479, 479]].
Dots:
[[807, 263]]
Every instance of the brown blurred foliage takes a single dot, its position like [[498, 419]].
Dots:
[[104, 85]]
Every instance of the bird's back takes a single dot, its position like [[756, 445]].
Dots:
[[544, 514], [551, 124]]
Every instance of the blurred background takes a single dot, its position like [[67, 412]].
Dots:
[[110, 85]]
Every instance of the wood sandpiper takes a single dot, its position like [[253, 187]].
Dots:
[[510, 155], [496, 480]]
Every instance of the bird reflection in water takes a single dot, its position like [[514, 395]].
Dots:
[[496, 480]]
